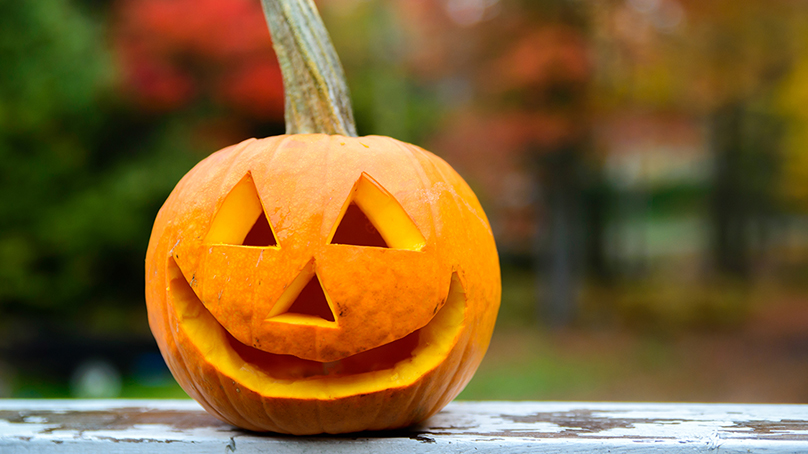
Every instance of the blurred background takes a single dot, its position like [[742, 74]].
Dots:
[[644, 165]]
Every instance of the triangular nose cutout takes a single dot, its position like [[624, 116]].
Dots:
[[356, 229], [312, 302], [304, 301]]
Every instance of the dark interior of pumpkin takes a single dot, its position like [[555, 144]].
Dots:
[[356, 229], [288, 367], [260, 234]]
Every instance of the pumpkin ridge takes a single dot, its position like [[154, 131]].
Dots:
[[186, 365], [459, 338], [449, 391], [268, 411], [235, 408], [466, 377], [416, 156], [235, 155], [447, 173]]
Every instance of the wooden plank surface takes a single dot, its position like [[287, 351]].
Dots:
[[181, 426]]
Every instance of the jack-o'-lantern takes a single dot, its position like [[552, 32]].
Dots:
[[312, 283]]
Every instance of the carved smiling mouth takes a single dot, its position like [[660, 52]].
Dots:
[[405, 359]]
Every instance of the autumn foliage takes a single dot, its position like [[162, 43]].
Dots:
[[176, 52]]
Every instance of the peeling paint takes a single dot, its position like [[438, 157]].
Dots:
[[579, 421], [118, 419], [422, 438], [182, 426]]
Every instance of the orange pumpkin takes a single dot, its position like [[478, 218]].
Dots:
[[315, 283]]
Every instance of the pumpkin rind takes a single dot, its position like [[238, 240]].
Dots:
[[199, 292]]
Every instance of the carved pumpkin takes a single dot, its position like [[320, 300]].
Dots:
[[316, 283]]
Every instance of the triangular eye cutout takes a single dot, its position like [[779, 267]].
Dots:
[[304, 302], [260, 234], [240, 219], [373, 217], [355, 228]]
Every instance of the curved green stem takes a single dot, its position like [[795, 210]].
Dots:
[[317, 98]]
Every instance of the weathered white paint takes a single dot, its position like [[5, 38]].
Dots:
[[181, 426]]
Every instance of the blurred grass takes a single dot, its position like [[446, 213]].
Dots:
[[657, 341], [166, 390], [35, 387], [533, 370]]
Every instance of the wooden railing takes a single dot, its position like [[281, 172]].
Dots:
[[181, 426]]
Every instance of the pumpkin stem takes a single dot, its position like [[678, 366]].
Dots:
[[317, 98]]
